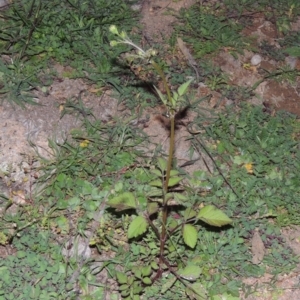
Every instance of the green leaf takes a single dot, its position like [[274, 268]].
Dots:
[[146, 271], [175, 96], [197, 291], [156, 172], [152, 208], [161, 96], [190, 272], [180, 198], [147, 280], [138, 273], [189, 213], [174, 172], [21, 254], [137, 227], [123, 201], [190, 235], [154, 192], [121, 277], [174, 181], [169, 283], [293, 51], [162, 163], [156, 183], [73, 202], [213, 216], [154, 265], [183, 88]]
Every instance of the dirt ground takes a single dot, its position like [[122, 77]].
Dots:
[[37, 124]]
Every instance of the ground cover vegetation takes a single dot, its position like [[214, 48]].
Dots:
[[156, 231]]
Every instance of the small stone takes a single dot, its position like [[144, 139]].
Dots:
[[256, 60]]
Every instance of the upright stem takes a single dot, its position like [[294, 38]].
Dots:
[[163, 236], [172, 135]]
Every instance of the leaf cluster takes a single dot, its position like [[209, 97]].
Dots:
[[36, 33], [207, 32], [35, 271]]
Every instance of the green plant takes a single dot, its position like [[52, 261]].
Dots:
[[153, 209], [36, 33], [207, 32], [280, 13], [36, 270]]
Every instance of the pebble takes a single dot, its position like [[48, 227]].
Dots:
[[256, 60]]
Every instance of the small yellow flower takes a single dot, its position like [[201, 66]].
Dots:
[[84, 143], [249, 168]]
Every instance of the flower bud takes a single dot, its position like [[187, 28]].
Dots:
[[113, 29], [113, 43]]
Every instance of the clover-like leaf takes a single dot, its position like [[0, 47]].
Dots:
[[213, 216], [137, 227], [190, 235]]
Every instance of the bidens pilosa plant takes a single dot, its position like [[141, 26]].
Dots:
[[164, 196]]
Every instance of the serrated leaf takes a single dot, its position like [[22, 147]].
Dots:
[[121, 277], [154, 192], [190, 272], [156, 183], [156, 172], [152, 208], [190, 235], [123, 201], [137, 227], [180, 198], [183, 88], [162, 163], [213, 216], [169, 283], [174, 181], [189, 213]]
